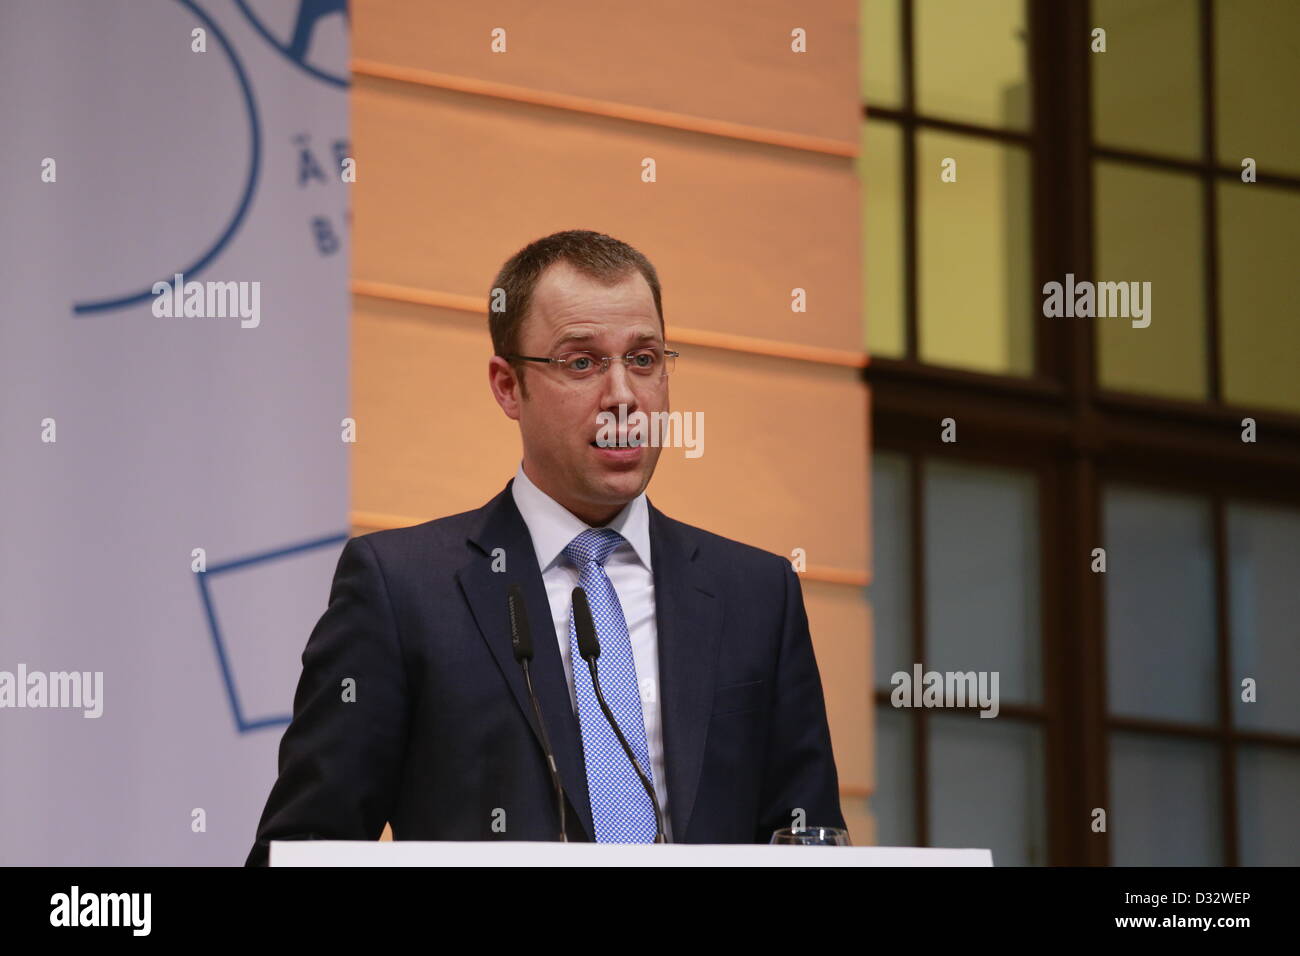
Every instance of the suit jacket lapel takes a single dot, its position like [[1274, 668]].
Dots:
[[486, 591], [688, 616]]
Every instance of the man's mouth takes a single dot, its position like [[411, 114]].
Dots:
[[621, 442]]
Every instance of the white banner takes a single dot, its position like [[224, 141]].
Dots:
[[173, 397]]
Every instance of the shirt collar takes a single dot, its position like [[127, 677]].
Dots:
[[552, 526]]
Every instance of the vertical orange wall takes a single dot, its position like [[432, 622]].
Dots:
[[465, 155]]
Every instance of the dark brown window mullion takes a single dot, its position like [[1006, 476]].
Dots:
[[1009, 137], [1085, 639], [916, 482], [1223, 695], [1210, 213], [1052, 570], [908, 120], [1064, 110], [1263, 177], [921, 725]]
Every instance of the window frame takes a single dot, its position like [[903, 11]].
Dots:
[[1075, 436]]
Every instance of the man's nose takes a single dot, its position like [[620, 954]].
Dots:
[[617, 387]]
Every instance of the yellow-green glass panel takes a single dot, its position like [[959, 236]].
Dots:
[[971, 61], [881, 40], [1259, 322], [1256, 79], [1146, 86], [974, 261], [1149, 229], [880, 166]]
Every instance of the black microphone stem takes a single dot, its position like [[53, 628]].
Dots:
[[550, 754], [521, 641]]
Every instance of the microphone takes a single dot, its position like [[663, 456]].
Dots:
[[589, 650], [521, 640]]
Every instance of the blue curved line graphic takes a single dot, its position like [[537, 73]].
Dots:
[[340, 81], [107, 305]]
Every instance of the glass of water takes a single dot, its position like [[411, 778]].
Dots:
[[811, 836]]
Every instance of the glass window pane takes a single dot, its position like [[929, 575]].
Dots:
[[986, 788], [971, 61], [974, 255], [982, 575], [1149, 229], [1264, 606], [880, 30], [881, 177], [1256, 75], [1259, 245], [891, 579], [1160, 611], [1164, 802], [1146, 87], [893, 801], [1268, 794]]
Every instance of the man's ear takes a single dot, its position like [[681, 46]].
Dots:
[[506, 387]]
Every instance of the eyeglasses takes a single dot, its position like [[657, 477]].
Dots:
[[647, 362]]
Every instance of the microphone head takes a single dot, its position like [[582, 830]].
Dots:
[[588, 643], [521, 637]]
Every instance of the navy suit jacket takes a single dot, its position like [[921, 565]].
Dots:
[[441, 739]]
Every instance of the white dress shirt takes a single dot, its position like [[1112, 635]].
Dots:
[[551, 527]]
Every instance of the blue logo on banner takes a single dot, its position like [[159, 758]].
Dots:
[[310, 12], [250, 185], [243, 723]]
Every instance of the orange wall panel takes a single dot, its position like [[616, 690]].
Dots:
[[450, 185], [727, 60]]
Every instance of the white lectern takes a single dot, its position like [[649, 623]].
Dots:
[[421, 853]]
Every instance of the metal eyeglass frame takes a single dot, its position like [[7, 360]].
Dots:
[[562, 361]]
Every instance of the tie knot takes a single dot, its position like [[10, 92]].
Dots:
[[594, 544]]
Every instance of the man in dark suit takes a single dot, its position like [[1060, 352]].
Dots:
[[411, 708]]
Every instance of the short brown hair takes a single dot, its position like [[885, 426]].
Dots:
[[593, 254]]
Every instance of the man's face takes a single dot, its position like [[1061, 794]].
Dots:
[[558, 418]]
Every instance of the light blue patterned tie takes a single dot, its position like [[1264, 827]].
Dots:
[[620, 808]]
